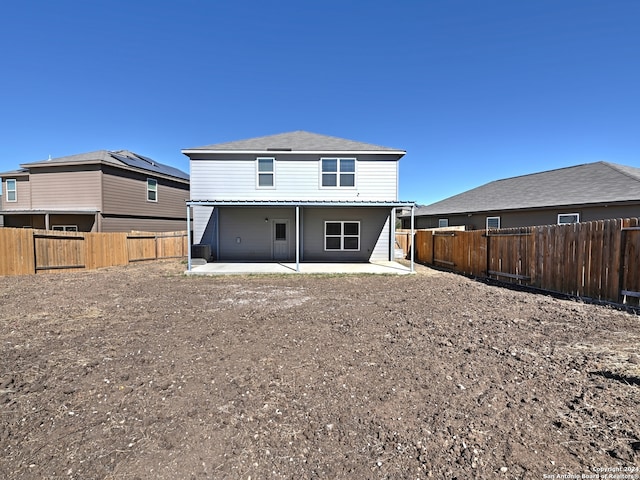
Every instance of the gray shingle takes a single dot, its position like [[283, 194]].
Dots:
[[599, 182], [120, 158], [297, 141]]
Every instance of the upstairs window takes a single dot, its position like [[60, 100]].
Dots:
[[493, 223], [152, 190], [12, 190], [266, 172], [342, 236], [338, 172], [566, 218], [443, 222]]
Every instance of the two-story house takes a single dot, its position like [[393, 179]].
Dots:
[[580, 193], [100, 191], [295, 196]]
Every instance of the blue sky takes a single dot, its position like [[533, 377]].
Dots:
[[473, 90]]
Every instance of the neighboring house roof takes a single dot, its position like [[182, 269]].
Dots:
[[299, 141], [15, 173], [590, 183], [120, 158]]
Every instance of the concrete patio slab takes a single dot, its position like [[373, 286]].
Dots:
[[241, 268]]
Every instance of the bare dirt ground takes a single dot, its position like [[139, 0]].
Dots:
[[141, 372]]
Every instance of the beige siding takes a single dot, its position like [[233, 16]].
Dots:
[[23, 194], [125, 193], [65, 188]]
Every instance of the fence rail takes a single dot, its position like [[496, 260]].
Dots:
[[26, 251], [598, 260]]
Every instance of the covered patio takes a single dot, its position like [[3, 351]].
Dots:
[[246, 268], [297, 264]]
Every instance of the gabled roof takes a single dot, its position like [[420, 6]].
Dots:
[[120, 158], [590, 183], [298, 141]]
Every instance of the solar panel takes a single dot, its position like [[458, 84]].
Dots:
[[145, 163]]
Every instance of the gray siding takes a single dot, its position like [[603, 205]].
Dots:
[[524, 218], [374, 234], [246, 233], [295, 179]]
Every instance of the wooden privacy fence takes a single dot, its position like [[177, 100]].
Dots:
[[598, 260], [26, 251]]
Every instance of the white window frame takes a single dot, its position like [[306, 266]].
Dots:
[[575, 215], [443, 222], [492, 228], [341, 236], [65, 228], [271, 172], [13, 190], [154, 189], [338, 173]]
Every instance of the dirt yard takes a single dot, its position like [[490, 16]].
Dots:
[[141, 372]]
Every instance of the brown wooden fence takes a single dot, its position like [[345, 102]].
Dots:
[[26, 251], [598, 260]]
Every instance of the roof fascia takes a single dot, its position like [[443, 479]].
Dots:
[[296, 152], [298, 203], [110, 164]]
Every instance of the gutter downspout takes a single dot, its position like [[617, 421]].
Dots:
[[188, 239]]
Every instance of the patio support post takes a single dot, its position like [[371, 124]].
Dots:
[[188, 240], [297, 238], [413, 242]]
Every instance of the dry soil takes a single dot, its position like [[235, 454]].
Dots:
[[141, 372]]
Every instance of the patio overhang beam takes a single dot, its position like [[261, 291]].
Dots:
[[298, 203]]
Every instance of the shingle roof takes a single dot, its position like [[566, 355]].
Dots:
[[297, 141], [598, 182], [118, 158]]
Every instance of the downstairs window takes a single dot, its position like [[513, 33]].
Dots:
[[341, 235]]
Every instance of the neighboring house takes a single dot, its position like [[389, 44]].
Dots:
[[99, 191], [582, 193], [295, 196]]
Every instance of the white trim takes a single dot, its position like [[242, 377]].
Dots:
[[272, 173], [576, 215], [492, 218], [338, 173], [296, 152], [341, 236], [155, 190], [65, 228], [14, 190], [443, 220]]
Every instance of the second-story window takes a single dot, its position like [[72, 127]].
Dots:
[[152, 190], [338, 172], [266, 172], [12, 190]]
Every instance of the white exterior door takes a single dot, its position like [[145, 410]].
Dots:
[[280, 235]]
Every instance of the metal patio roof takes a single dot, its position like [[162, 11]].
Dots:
[[301, 203]]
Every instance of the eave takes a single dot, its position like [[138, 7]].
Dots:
[[294, 152]]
